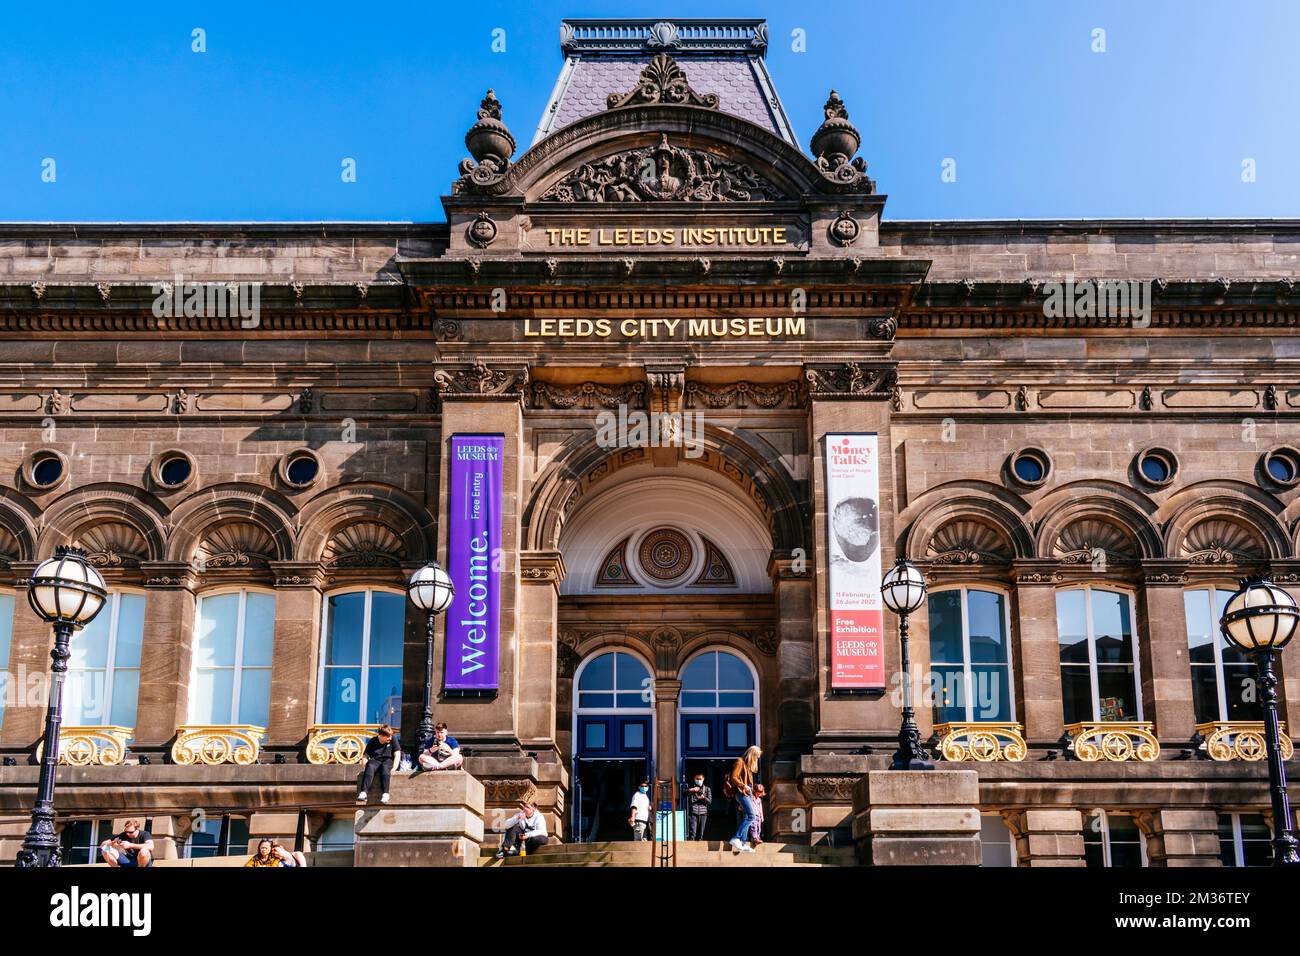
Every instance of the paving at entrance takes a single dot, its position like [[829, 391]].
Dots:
[[703, 853]]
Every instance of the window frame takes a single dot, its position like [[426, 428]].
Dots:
[[113, 603], [1104, 829], [238, 667], [717, 688], [6, 650], [1239, 844], [1005, 594], [1221, 687], [187, 845], [1134, 646], [646, 708], [1011, 840], [96, 825], [367, 619]]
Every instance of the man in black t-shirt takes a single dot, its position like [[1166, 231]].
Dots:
[[382, 752], [132, 847]]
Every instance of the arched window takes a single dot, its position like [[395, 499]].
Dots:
[[234, 636], [1099, 675], [615, 680], [970, 655], [104, 670], [1222, 678], [718, 680], [361, 660], [6, 632]]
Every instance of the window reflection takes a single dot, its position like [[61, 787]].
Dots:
[[1098, 671]]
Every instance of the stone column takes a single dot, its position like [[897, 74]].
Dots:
[[667, 694], [1047, 837], [792, 595], [541, 573], [1037, 658], [296, 653], [166, 838], [165, 654], [431, 819], [1180, 837], [917, 818], [1166, 671], [278, 825], [483, 403], [850, 398]]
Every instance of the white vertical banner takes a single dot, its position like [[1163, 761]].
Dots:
[[853, 550]]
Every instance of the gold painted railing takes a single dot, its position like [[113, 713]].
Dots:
[[100, 746], [214, 744], [338, 743], [982, 742], [1239, 740], [1116, 740]]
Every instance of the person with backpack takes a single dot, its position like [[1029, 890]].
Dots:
[[739, 785]]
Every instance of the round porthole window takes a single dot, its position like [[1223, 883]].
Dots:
[[46, 470], [173, 470], [1030, 466], [1157, 466], [1282, 466], [300, 468]]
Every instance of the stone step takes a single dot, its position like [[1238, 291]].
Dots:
[[631, 854]]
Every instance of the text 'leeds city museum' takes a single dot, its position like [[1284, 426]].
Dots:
[[655, 358]]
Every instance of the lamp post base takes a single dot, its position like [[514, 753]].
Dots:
[[41, 845], [1286, 850], [902, 762]]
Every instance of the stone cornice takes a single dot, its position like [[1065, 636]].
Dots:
[[585, 272]]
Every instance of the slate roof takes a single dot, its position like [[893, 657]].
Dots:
[[738, 76]]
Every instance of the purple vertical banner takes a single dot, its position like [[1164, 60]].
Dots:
[[473, 550]]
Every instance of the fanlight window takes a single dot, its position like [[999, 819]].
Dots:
[[6, 631], [615, 680], [718, 680]]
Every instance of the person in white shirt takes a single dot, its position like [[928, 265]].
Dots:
[[639, 812], [528, 827]]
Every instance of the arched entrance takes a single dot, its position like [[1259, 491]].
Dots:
[[719, 719], [613, 741]]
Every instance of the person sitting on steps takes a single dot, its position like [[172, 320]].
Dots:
[[442, 752], [382, 752], [528, 827]]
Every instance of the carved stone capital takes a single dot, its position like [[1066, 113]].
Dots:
[[480, 382], [851, 381], [667, 384], [540, 567]]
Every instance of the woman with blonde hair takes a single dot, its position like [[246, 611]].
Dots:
[[740, 784]]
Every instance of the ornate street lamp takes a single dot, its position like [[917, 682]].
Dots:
[[430, 589], [1260, 619], [66, 592], [903, 591]]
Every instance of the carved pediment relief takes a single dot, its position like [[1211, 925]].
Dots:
[[662, 81], [662, 173]]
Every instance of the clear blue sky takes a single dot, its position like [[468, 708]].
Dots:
[[142, 128]]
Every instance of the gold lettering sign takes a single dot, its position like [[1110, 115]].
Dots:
[[733, 328], [673, 236]]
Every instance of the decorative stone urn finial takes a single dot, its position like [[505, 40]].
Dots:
[[833, 146], [491, 145]]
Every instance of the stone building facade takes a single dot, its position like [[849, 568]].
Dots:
[[665, 247]]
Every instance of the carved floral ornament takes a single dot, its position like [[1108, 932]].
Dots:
[[662, 81], [481, 380], [850, 381], [662, 173]]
